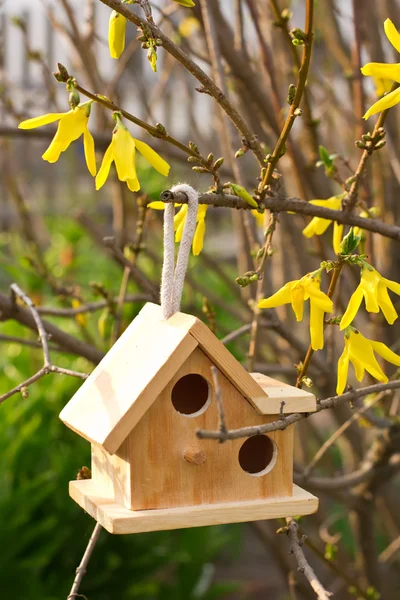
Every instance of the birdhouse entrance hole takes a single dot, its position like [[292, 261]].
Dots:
[[257, 455], [191, 395]]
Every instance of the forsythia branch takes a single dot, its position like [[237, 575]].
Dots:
[[278, 203], [198, 73]]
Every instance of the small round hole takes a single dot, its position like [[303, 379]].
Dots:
[[191, 395], [257, 455]]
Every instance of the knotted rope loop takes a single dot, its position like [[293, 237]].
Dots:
[[173, 277]]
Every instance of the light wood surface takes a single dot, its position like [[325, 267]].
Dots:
[[296, 400], [119, 520], [112, 473], [162, 478], [227, 363], [133, 373], [137, 369]]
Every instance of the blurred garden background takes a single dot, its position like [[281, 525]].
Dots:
[[89, 260]]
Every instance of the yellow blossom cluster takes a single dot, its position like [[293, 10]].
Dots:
[[117, 32], [296, 293], [385, 73], [121, 150], [358, 350]]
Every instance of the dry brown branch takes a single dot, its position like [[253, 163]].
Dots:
[[278, 203], [89, 307], [350, 200], [218, 397], [208, 84], [81, 570], [48, 366], [334, 437], [366, 473], [10, 310], [303, 565], [280, 425], [294, 110]]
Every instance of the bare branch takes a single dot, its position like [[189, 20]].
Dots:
[[81, 570], [366, 473], [332, 439], [303, 565], [48, 367], [41, 330], [197, 72], [280, 425], [218, 397], [8, 310], [89, 307], [278, 203]]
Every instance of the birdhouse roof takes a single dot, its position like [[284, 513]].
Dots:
[[136, 370]]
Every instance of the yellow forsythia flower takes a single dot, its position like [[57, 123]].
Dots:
[[374, 289], [296, 293], [116, 34], [179, 223], [386, 72], [122, 151], [360, 352], [188, 26], [186, 3], [198, 239], [318, 225], [71, 126], [80, 318], [382, 86]]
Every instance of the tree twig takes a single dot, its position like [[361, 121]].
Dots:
[[294, 110], [303, 564], [89, 307], [81, 570], [218, 397], [278, 203], [43, 336], [8, 310], [350, 200], [281, 424], [48, 366], [332, 439], [197, 72]]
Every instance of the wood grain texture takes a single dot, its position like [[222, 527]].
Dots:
[[119, 520], [133, 373], [227, 363], [296, 400], [111, 473], [162, 478]]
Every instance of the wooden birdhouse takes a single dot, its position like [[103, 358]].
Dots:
[[140, 410]]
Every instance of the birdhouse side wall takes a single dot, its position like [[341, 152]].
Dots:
[[111, 474], [171, 467]]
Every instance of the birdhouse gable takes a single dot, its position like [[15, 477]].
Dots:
[[129, 378], [137, 369]]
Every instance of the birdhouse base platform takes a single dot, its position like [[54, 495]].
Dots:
[[115, 518]]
